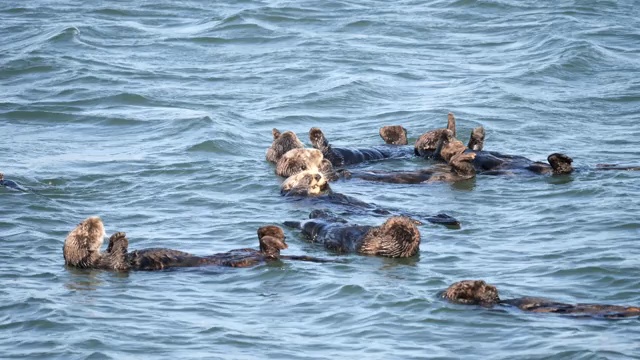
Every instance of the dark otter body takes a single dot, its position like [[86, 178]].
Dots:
[[460, 168], [494, 163], [10, 184], [343, 156], [82, 250], [397, 237], [313, 186], [478, 292]]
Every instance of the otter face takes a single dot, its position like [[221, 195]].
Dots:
[[298, 160], [82, 245], [560, 163], [397, 237], [476, 140], [282, 142], [1, 176], [394, 134], [472, 292], [305, 183], [271, 240]]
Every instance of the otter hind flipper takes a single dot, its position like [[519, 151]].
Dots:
[[444, 219]]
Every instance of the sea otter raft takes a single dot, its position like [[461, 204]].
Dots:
[[478, 292], [82, 250]]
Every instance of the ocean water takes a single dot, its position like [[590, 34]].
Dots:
[[155, 116]]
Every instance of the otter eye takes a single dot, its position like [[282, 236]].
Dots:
[[303, 167]]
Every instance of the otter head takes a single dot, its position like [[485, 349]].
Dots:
[[476, 140], [397, 237], [560, 163], [298, 160], [394, 134], [82, 245], [271, 240], [1, 176], [317, 138], [448, 146], [472, 292], [462, 164], [306, 183], [282, 142]]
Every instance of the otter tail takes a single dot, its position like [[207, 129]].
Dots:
[[293, 224]]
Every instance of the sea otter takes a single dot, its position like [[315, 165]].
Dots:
[[82, 250], [396, 237], [492, 163], [313, 185], [427, 143], [340, 157], [282, 142], [297, 160], [460, 168], [478, 292], [10, 184]]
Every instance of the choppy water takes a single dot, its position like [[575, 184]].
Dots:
[[156, 116]]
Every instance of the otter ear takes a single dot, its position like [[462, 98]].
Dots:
[[276, 133], [271, 242]]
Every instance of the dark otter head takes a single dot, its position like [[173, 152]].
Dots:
[[271, 240], [298, 160], [472, 292], [305, 183], [476, 140], [282, 142], [462, 164], [451, 123], [317, 138], [397, 237], [560, 163], [82, 245], [394, 134]]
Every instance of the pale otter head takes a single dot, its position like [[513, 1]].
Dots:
[[472, 292], [306, 183], [394, 134], [560, 163], [397, 237], [1, 176], [298, 160], [82, 245], [476, 140], [462, 164], [271, 240], [449, 146], [282, 142]]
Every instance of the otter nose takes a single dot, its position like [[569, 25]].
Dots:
[[317, 177]]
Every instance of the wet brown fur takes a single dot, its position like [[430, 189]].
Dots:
[[477, 292], [394, 135], [428, 141], [476, 140], [397, 237], [282, 142], [298, 160], [82, 246]]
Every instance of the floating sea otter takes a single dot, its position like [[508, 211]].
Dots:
[[396, 237], [82, 249], [427, 143], [10, 184], [298, 160], [313, 184], [478, 292], [340, 157]]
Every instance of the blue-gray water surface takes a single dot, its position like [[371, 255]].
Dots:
[[155, 116]]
